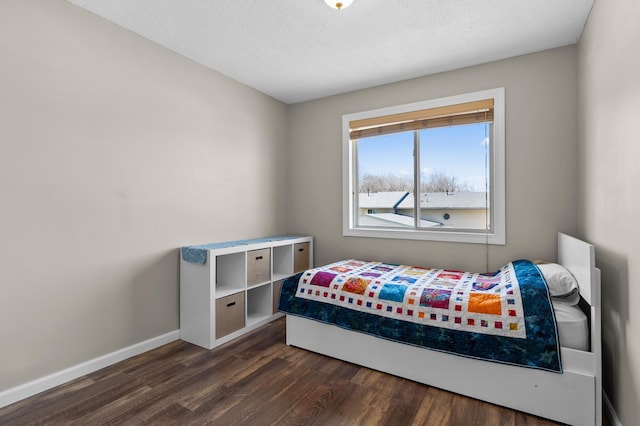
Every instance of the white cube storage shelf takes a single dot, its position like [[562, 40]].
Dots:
[[230, 288]]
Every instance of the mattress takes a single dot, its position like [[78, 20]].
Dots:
[[573, 327]]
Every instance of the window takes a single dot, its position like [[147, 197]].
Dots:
[[432, 170]]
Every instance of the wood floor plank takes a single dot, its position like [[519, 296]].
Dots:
[[254, 380], [342, 407], [194, 384], [301, 402], [75, 403], [44, 401], [245, 389], [106, 414], [403, 406], [435, 408], [171, 414], [258, 402]]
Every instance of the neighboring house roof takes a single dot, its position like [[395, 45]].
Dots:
[[380, 200], [383, 219], [428, 200]]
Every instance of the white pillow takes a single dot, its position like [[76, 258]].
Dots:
[[572, 298], [561, 282]]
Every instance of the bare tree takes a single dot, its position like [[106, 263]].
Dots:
[[384, 183], [435, 182], [440, 182]]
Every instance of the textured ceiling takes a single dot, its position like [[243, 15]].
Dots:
[[297, 50]]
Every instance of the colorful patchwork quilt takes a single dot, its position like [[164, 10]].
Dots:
[[505, 316]]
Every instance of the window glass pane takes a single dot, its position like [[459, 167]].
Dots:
[[385, 181], [454, 177]]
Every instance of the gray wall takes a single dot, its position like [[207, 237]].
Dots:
[[541, 149], [609, 123], [113, 153]]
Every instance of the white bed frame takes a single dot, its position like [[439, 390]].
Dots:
[[573, 397]]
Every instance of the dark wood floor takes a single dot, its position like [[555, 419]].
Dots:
[[254, 380]]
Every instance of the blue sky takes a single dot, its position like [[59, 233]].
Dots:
[[457, 151]]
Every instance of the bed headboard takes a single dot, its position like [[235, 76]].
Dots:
[[579, 257]]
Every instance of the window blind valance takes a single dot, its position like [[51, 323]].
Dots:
[[465, 113]]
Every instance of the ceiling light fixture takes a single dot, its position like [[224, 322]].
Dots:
[[338, 4]]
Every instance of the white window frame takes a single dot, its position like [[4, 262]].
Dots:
[[497, 175]]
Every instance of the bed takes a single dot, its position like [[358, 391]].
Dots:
[[570, 394]]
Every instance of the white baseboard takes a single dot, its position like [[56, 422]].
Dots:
[[610, 411], [26, 390]]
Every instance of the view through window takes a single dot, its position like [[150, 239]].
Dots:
[[433, 171]]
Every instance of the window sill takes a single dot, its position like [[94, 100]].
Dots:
[[412, 234]]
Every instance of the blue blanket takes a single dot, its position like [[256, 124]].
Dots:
[[540, 349]]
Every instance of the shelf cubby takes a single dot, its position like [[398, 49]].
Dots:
[[259, 304], [230, 273]]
